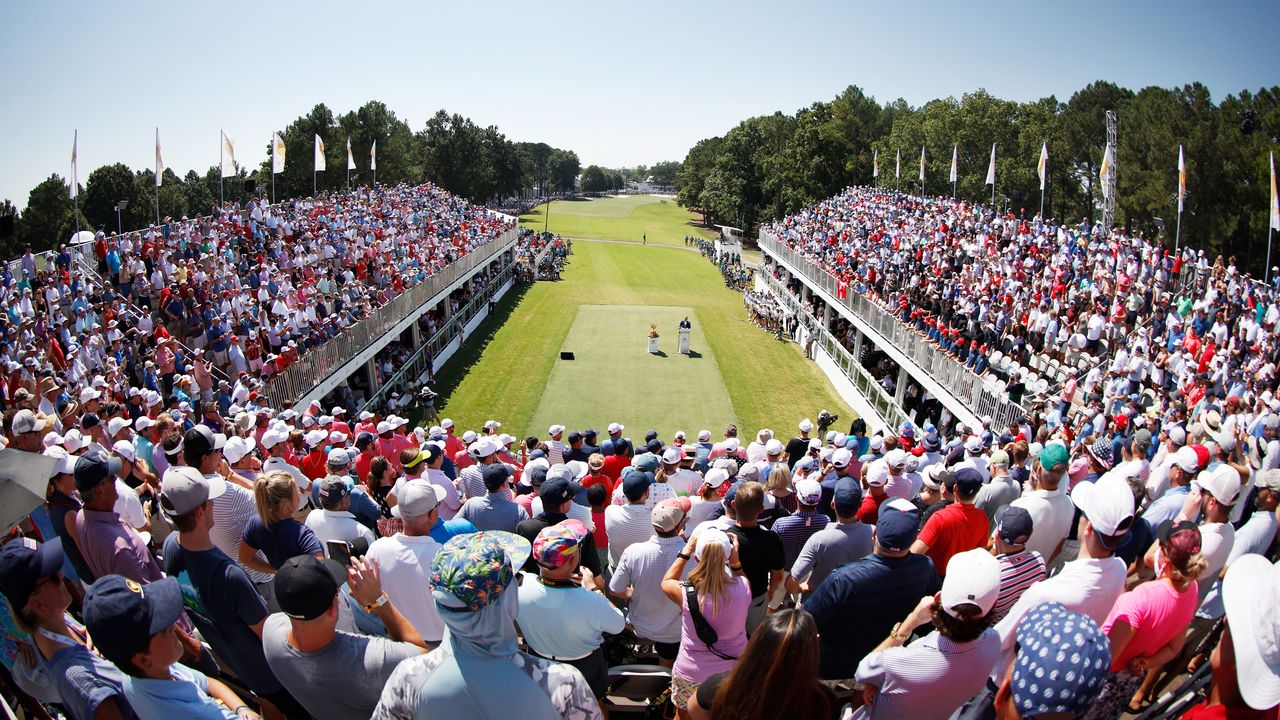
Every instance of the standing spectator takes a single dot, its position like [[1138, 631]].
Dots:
[[878, 590], [763, 559], [313, 658], [479, 673], [638, 580], [631, 523], [109, 545], [935, 675], [233, 507], [835, 545], [274, 531], [1001, 491], [720, 595], [557, 495], [957, 527], [552, 596], [1020, 568], [1047, 502], [495, 510], [333, 519], [404, 559]]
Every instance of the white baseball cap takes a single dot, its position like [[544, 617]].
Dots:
[[716, 477], [238, 447], [973, 444], [385, 427], [841, 458], [896, 458], [273, 437], [1222, 481], [773, 447], [337, 437], [877, 473], [446, 423], [1250, 595], [704, 435], [615, 428], [115, 425], [1107, 503], [469, 436], [124, 449], [74, 440], [315, 438], [143, 422], [672, 456], [806, 425], [973, 578], [555, 430], [808, 492], [876, 443], [712, 536], [88, 394]]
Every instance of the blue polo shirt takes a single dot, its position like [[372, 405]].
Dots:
[[858, 604], [445, 529], [186, 696]]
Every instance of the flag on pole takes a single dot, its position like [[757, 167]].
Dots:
[[1182, 179], [1042, 169], [897, 168], [228, 155], [955, 166], [991, 169], [277, 153], [351, 161], [922, 166], [1108, 159], [159, 160], [875, 163], [373, 156], [319, 154], [75, 174], [1275, 199]]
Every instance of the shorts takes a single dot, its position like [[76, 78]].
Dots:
[[594, 667], [666, 651], [682, 690]]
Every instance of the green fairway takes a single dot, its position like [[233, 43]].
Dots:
[[613, 377], [509, 369], [619, 218]]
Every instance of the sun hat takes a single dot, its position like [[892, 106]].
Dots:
[[1250, 595], [473, 570]]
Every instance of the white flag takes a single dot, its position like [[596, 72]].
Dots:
[[1108, 160], [319, 154], [955, 165], [921, 167], [1042, 169], [228, 155], [1182, 179], [351, 161], [373, 156], [159, 160], [277, 153], [1275, 199], [875, 163], [897, 168], [991, 169], [75, 174]]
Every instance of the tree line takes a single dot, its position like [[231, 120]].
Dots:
[[478, 163], [601, 179], [769, 166]]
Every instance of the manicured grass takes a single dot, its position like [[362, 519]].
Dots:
[[507, 371], [619, 218], [643, 390]]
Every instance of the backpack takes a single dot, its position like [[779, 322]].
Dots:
[[706, 634]]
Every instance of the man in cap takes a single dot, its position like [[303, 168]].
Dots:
[[484, 451], [31, 580], [107, 542], [839, 543], [1002, 489], [333, 519], [557, 493], [957, 527], [495, 510], [26, 430], [842, 465], [230, 601], [1219, 491], [630, 523], [275, 441], [232, 509], [557, 450], [879, 590], [1062, 664], [876, 476], [404, 559], [798, 447], [564, 590], [313, 658], [136, 628], [796, 529], [637, 579], [1047, 502], [1020, 568], [935, 675]]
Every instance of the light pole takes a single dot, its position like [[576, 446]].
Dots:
[[120, 206], [546, 219]]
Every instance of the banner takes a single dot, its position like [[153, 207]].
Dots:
[[1108, 160], [159, 160], [1182, 179], [922, 168], [319, 154], [991, 169], [373, 156], [277, 154], [1275, 199], [955, 167], [875, 163], [351, 161], [1042, 169], [897, 168], [228, 155]]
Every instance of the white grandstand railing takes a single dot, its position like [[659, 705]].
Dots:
[[961, 382], [891, 412], [286, 388]]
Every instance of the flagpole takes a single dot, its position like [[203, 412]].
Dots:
[[1177, 236], [222, 146]]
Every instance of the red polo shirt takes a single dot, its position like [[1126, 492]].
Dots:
[[954, 529]]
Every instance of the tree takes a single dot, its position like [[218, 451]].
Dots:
[[106, 187], [664, 173], [564, 167], [595, 179], [47, 220], [539, 155], [691, 178]]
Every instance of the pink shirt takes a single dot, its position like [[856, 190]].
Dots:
[[694, 661], [1156, 612]]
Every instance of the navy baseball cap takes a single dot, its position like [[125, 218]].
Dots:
[[24, 562], [558, 490], [92, 469], [430, 452], [968, 480], [897, 525], [495, 476], [848, 496], [122, 615], [635, 482], [535, 475], [590, 434], [1013, 525]]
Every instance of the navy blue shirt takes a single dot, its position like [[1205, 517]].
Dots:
[[281, 541], [859, 603]]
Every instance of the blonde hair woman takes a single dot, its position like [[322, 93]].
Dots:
[[274, 531], [719, 594]]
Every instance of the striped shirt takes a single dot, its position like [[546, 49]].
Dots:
[[794, 530], [472, 481], [557, 452], [494, 511], [626, 525], [1018, 571], [231, 512], [930, 678]]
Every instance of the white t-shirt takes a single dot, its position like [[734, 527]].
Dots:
[[128, 506], [336, 525], [1051, 514], [405, 565], [1216, 540]]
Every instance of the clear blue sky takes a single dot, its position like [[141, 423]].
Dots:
[[621, 84]]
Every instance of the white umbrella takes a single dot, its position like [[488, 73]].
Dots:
[[24, 476], [83, 236]]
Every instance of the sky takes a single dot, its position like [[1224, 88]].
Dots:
[[619, 83]]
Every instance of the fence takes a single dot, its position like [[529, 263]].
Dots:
[[966, 387], [879, 399], [425, 354], [286, 388]]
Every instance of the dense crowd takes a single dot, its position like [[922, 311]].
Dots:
[[216, 304], [316, 565]]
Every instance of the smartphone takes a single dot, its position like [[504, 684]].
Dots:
[[339, 550]]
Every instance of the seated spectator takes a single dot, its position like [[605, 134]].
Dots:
[[479, 673], [314, 660], [935, 675], [776, 676]]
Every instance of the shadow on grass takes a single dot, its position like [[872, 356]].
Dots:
[[693, 355], [659, 353], [451, 375]]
